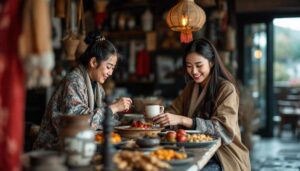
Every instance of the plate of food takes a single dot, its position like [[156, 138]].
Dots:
[[187, 160], [196, 144], [162, 134], [127, 119], [184, 138], [137, 148], [138, 129], [172, 156], [147, 141], [116, 140]]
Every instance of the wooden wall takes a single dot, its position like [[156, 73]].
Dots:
[[250, 6]]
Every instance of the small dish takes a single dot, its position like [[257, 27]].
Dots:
[[133, 133], [147, 142], [163, 133], [116, 145], [127, 119], [147, 149], [190, 144], [187, 160]]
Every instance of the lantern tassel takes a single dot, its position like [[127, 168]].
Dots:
[[186, 37]]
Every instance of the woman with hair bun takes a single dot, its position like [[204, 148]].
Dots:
[[81, 92]]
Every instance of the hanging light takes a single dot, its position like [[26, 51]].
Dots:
[[186, 17], [258, 52]]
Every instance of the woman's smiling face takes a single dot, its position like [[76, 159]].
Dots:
[[102, 71], [198, 67]]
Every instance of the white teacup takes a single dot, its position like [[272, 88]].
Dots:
[[153, 110]]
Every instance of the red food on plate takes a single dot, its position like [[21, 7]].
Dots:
[[171, 136], [140, 124], [181, 131]]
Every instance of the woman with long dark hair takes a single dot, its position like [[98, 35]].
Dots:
[[81, 92], [209, 103]]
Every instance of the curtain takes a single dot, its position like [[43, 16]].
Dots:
[[12, 91]]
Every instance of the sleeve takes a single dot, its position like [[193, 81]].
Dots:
[[177, 106], [224, 120], [75, 102], [98, 115]]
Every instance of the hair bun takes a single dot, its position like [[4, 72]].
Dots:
[[94, 37]]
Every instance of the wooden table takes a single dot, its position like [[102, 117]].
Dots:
[[202, 156], [200, 159]]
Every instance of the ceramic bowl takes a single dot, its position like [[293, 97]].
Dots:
[[133, 133], [128, 118], [147, 142]]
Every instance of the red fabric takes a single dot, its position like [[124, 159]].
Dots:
[[143, 63], [11, 88], [100, 18]]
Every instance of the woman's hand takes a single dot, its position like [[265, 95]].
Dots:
[[167, 119], [122, 104]]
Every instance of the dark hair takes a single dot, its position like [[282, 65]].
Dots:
[[206, 49], [98, 47]]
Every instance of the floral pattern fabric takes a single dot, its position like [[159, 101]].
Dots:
[[70, 98]]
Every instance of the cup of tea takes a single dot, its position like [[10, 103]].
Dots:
[[153, 110]]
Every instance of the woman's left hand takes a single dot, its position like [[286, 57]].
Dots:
[[167, 119]]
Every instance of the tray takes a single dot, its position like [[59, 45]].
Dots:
[[191, 144]]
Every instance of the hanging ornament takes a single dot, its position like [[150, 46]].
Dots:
[[186, 17]]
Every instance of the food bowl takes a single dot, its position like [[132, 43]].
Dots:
[[147, 142], [131, 132], [128, 118]]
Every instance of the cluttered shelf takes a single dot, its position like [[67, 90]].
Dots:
[[126, 34], [115, 5], [136, 88]]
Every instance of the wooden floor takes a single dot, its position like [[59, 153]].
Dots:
[[276, 154]]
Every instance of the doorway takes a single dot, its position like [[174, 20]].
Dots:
[[264, 64], [255, 67], [286, 52], [286, 74]]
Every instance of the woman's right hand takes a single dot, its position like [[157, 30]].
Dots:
[[121, 104], [168, 119]]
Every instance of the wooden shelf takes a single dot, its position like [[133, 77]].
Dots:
[[137, 88], [130, 5], [125, 34], [133, 82]]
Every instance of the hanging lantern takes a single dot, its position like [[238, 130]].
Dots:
[[186, 17]]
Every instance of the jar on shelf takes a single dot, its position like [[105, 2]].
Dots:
[[147, 20], [77, 140], [122, 21], [131, 23], [113, 21]]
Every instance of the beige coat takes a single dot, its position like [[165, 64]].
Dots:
[[234, 156]]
